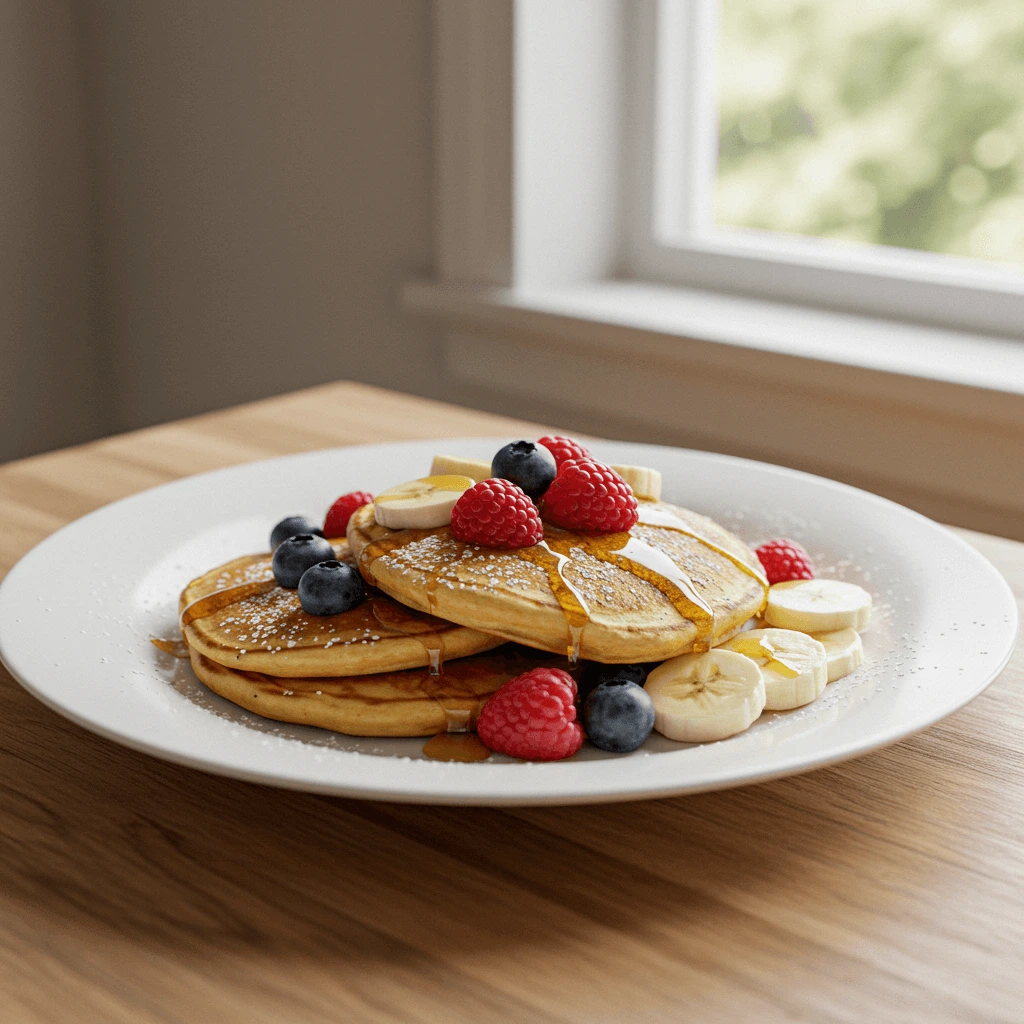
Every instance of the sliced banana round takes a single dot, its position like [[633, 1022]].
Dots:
[[420, 504], [794, 665], [646, 483], [700, 698], [844, 650], [450, 465], [817, 606]]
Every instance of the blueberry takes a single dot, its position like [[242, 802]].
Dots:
[[528, 465], [290, 526], [594, 673], [618, 716], [330, 588], [295, 555]]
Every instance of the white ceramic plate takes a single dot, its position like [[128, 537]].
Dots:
[[76, 614]]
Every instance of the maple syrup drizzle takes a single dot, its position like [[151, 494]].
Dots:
[[207, 605], [427, 629], [650, 516], [657, 569], [457, 742], [458, 705], [221, 599], [449, 746], [175, 648], [574, 607]]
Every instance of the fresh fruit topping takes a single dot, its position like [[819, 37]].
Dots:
[[497, 514], [295, 555], [783, 560], [844, 650], [341, 511], [618, 716], [817, 606], [588, 495], [700, 698], [794, 666], [450, 465], [528, 465], [563, 448], [290, 526], [645, 483], [420, 504], [330, 588], [533, 716], [595, 673]]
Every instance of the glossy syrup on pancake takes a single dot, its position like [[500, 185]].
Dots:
[[625, 550], [237, 615], [456, 743]]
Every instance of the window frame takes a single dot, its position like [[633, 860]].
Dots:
[[669, 237]]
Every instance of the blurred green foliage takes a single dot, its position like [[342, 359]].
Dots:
[[899, 123]]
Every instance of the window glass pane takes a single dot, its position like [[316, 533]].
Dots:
[[897, 122]]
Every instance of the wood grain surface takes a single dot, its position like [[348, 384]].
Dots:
[[885, 889]]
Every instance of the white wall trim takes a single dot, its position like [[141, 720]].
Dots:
[[528, 151]]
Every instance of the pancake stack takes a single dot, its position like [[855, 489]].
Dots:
[[380, 669], [430, 644]]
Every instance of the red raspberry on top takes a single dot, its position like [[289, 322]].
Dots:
[[341, 511], [785, 560], [588, 495], [564, 448], [498, 514], [533, 716]]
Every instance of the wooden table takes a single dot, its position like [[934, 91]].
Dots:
[[890, 888]]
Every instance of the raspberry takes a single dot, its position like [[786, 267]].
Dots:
[[341, 511], [588, 495], [785, 560], [533, 716], [564, 448], [497, 514]]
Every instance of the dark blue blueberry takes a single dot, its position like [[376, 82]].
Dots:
[[594, 673], [290, 526], [330, 588], [529, 466], [295, 555], [618, 716]]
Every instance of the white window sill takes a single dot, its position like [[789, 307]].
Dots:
[[931, 417], [952, 373]]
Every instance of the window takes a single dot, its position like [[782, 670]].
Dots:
[[892, 124], [856, 154]]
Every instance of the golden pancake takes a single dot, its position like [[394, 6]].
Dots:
[[237, 616], [677, 582], [409, 703]]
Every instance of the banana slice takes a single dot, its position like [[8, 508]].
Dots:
[[420, 504], [700, 698], [794, 666], [450, 465], [646, 483], [817, 606], [844, 650]]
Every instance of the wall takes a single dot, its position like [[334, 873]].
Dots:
[[50, 366], [266, 186]]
